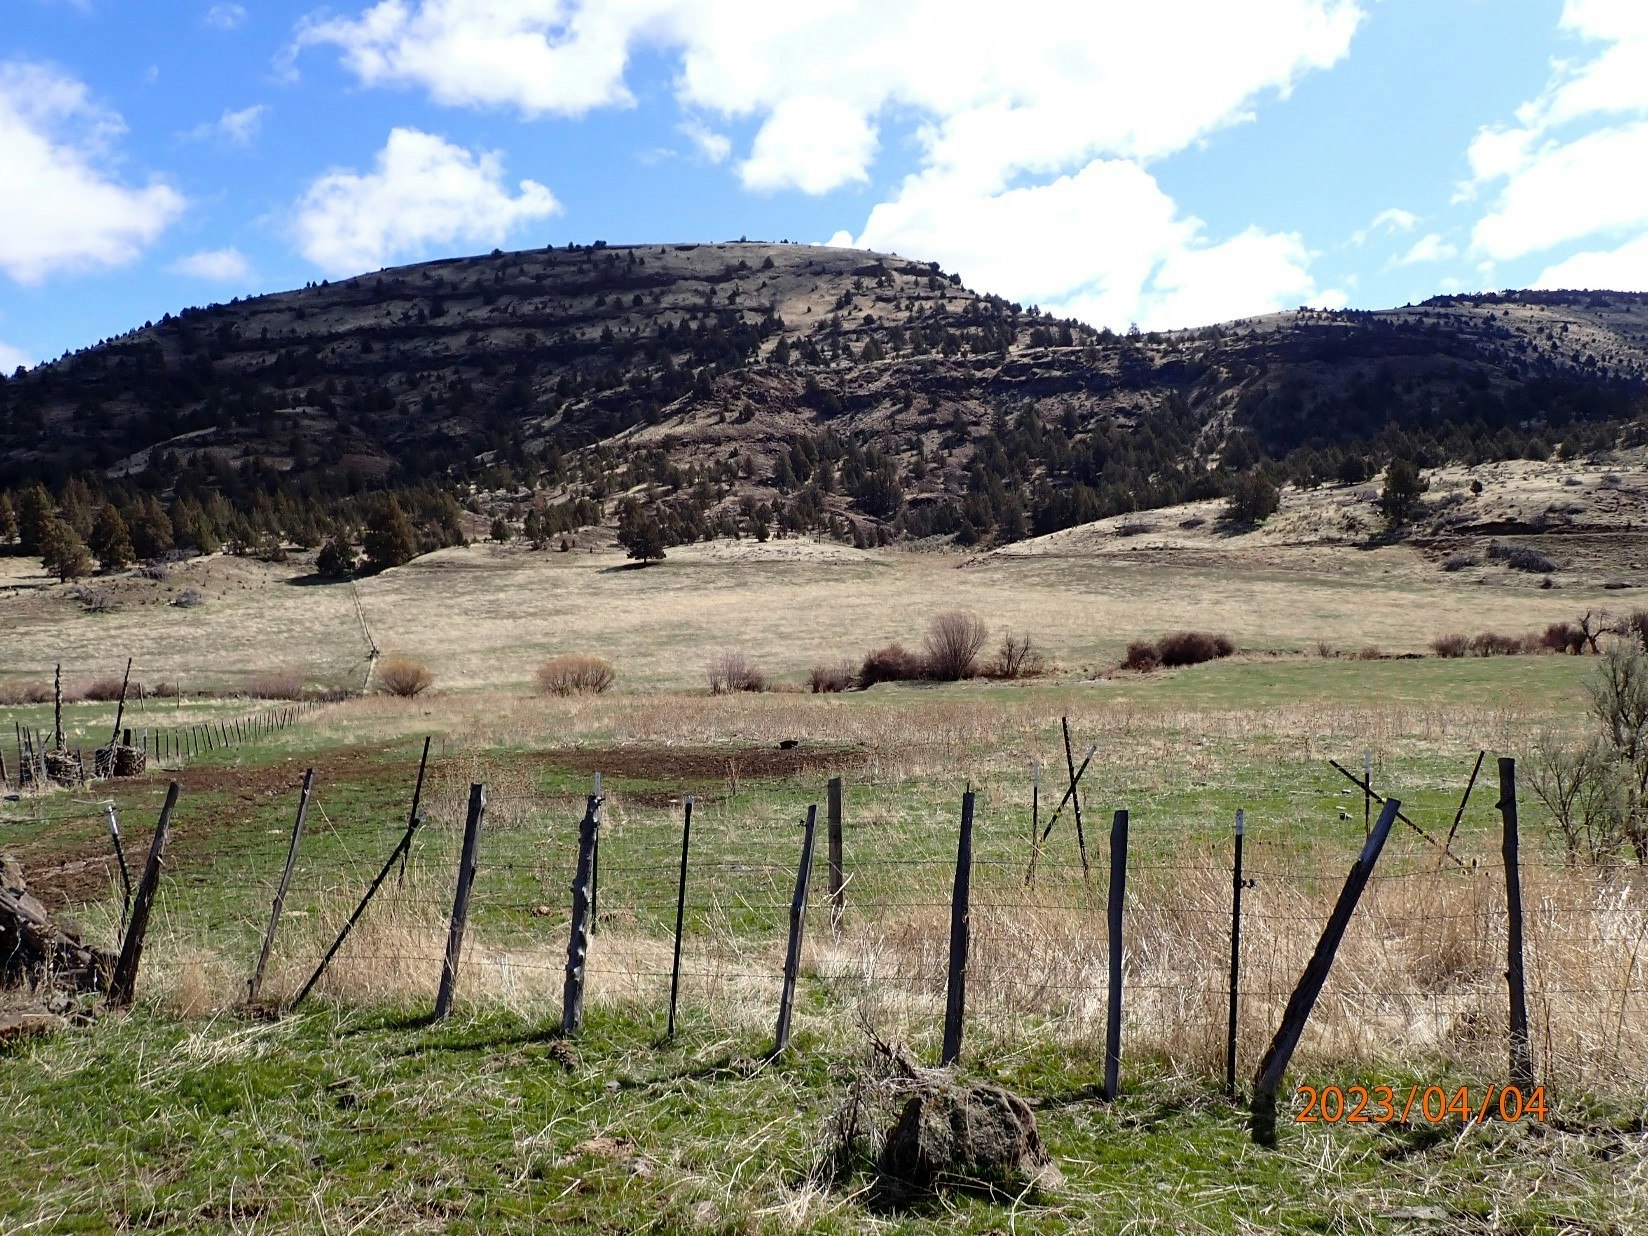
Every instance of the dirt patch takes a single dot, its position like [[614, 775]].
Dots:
[[686, 765]]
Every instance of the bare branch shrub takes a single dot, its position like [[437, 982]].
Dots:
[[1451, 645], [104, 690], [827, 678], [1564, 637], [1193, 647], [275, 685], [954, 640], [734, 671], [1370, 653], [894, 663], [1581, 789], [404, 677], [12, 693], [1488, 644], [1018, 657], [576, 674], [1142, 655]]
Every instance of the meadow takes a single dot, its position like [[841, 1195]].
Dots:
[[359, 1113]]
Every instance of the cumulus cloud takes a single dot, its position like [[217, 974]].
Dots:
[[423, 191], [1391, 220], [60, 207], [219, 265], [1428, 248], [237, 127], [713, 146], [1574, 164], [1623, 269], [226, 16]]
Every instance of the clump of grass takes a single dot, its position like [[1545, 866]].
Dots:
[[576, 674], [404, 677], [733, 672]]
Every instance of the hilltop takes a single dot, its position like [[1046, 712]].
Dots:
[[741, 387]]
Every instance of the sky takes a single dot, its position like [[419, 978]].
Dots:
[[1171, 163]]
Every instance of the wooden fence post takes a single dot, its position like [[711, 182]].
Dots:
[[595, 862], [460, 902], [680, 915], [120, 861], [1075, 795], [572, 994], [955, 999], [792, 954], [1522, 1064], [256, 981], [414, 819], [123, 984], [1268, 1079], [1113, 1009], [1236, 886], [838, 881]]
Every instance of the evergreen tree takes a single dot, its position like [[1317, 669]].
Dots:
[[336, 559], [640, 535], [150, 530], [8, 518], [1399, 500], [501, 531], [1253, 499], [62, 552], [110, 540], [535, 532], [389, 540], [35, 513]]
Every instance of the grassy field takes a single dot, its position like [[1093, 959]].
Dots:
[[357, 1114]]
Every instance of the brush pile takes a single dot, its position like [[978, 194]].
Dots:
[[38, 951]]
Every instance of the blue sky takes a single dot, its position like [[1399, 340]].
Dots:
[[1170, 164]]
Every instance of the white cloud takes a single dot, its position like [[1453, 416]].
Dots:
[[1624, 269], [226, 16], [1575, 162], [713, 146], [219, 265], [423, 191], [1393, 219], [60, 208], [1428, 248], [239, 128], [1040, 112], [11, 358]]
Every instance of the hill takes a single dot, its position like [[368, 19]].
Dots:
[[746, 387]]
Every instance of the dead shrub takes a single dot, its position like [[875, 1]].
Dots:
[[1564, 637], [824, 679], [1488, 644], [1451, 645], [1018, 657], [953, 643], [404, 677], [275, 685], [1521, 558], [1370, 653], [732, 672], [894, 663], [576, 674], [1142, 655], [104, 690], [12, 693]]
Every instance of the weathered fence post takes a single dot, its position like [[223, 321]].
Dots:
[[1522, 1064], [57, 708], [123, 984], [414, 819], [955, 999], [256, 980], [120, 709], [595, 862], [120, 861], [838, 880], [1113, 1009], [1236, 886], [572, 994], [680, 915], [1075, 795], [1268, 1079], [792, 955], [460, 902]]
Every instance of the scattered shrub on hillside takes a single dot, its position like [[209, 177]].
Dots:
[[95, 600], [189, 598], [1142, 655], [275, 685], [1326, 650], [163, 691], [1582, 789], [575, 674], [12, 693], [1193, 521], [1610, 480], [1451, 645], [1134, 527], [1458, 561], [733, 671], [1018, 657], [953, 643], [1193, 648], [1488, 644], [894, 663], [1521, 558], [1371, 652], [104, 690], [1564, 637], [824, 679], [404, 677]]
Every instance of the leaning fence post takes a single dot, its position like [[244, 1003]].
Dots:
[[838, 881], [460, 902], [256, 980], [1113, 1010], [123, 984], [680, 915], [1522, 1064], [572, 994], [1268, 1079], [792, 955], [1236, 886], [955, 1000], [120, 861], [1075, 795]]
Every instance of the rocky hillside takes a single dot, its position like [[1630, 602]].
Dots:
[[731, 387]]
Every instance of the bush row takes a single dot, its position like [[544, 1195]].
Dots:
[[1179, 648]]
